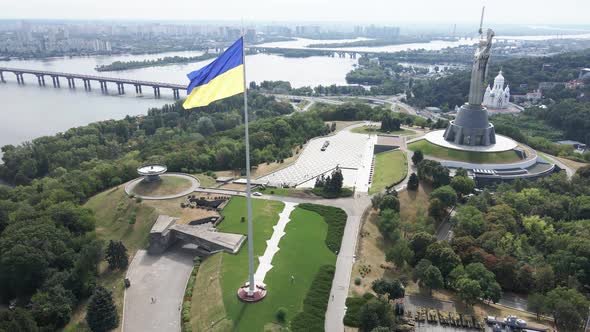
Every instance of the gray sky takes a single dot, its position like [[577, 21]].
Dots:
[[378, 11]]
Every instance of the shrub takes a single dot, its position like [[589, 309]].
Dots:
[[316, 302], [336, 220], [138, 200], [281, 315], [357, 281], [353, 307]]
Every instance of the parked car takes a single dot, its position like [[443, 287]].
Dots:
[[257, 194]]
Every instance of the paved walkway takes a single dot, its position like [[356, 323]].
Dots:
[[351, 152], [163, 278], [272, 245]]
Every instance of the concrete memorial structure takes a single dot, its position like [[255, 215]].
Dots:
[[471, 126], [470, 141], [151, 172]]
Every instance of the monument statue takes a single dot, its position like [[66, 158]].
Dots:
[[480, 68], [471, 126]]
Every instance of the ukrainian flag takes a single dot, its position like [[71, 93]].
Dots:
[[220, 79]]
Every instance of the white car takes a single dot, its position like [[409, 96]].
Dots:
[[257, 194]]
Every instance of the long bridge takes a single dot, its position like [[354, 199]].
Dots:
[[86, 79]]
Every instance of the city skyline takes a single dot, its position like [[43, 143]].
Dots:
[[430, 11]]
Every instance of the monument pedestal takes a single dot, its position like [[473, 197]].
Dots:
[[471, 127], [245, 295]]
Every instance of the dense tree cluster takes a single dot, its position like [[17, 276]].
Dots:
[[49, 252], [206, 138], [522, 74]]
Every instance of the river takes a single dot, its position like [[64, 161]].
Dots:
[[31, 111]]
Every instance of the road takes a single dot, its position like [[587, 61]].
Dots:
[[393, 101]]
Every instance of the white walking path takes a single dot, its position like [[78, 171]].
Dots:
[[272, 245]]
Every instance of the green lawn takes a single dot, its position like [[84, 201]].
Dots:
[[168, 185], [302, 252], [436, 151], [376, 130], [391, 167]]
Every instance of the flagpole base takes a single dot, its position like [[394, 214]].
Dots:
[[245, 295]]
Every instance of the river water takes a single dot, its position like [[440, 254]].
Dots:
[[29, 111]]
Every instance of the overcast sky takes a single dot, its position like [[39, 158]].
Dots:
[[378, 11]]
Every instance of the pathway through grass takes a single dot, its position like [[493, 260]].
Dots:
[[302, 252]]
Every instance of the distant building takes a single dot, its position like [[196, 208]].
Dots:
[[307, 30], [102, 46], [574, 84], [498, 96], [578, 146], [377, 31], [250, 36], [532, 97]]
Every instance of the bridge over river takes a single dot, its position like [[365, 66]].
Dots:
[[86, 79]]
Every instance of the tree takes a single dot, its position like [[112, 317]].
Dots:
[[388, 224], [437, 209], [462, 185], [417, 157], [390, 123], [116, 255], [469, 221], [376, 312], [389, 202], [461, 172], [101, 313], [469, 290], [419, 243], [18, 319], [431, 278], [440, 176], [536, 303], [400, 253], [563, 303], [413, 182], [442, 256], [544, 278], [27, 250], [52, 309], [393, 288], [446, 194], [566, 317]]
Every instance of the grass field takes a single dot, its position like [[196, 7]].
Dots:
[[302, 252], [167, 185], [390, 168], [376, 130], [205, 180], [436, 151]]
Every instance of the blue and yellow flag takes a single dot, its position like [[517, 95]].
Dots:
[[220, 79]]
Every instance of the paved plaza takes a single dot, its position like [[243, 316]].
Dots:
[[436, 137], [154, 300], [349, 151]]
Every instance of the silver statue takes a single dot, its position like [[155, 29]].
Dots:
[[480, 68]]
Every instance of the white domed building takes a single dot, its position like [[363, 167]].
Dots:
[[498, 96]]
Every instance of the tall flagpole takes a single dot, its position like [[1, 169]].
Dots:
[[248, 193]]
